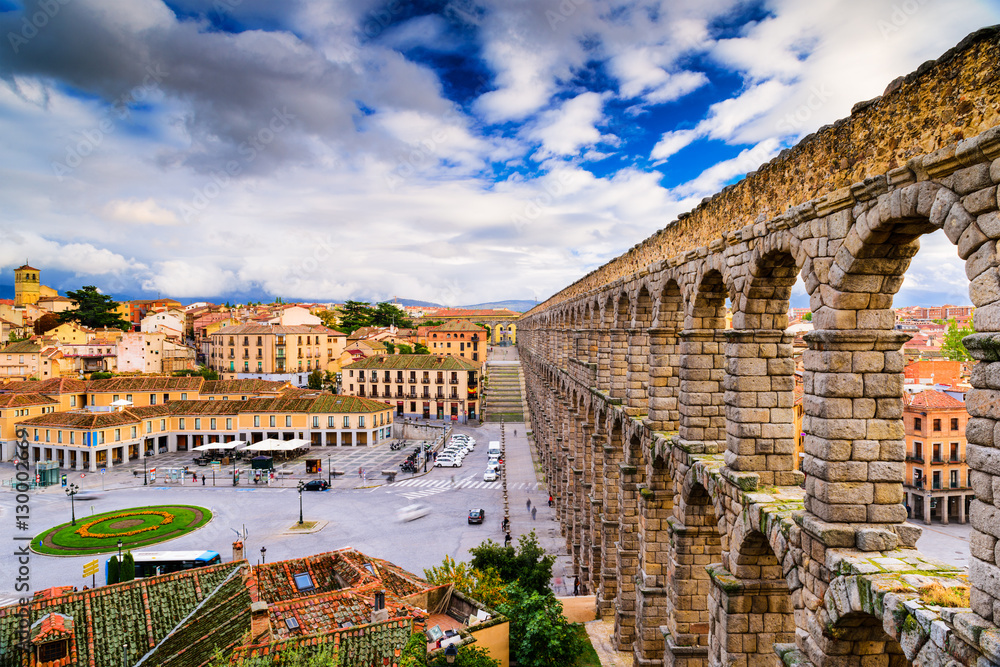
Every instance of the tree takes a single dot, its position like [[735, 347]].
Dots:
[[540, 636], [808, 317], [415, 652], [127, 572], [432, 323], [485, 586], [420, 348], [387, 314], [330, 381], [46, 322], [94, 310], [202, 371], [354, 315], [389, 347], [329, 318], [468, 656], [953, 348], [101, 375], [528, 565], [114, 570], [316, 379], [405, 349]]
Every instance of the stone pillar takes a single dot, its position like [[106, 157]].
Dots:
[[702, 409], [944, 509], [747, 618], [664, 380], [619, 363], [598, 442], [627, 557], [604, 360], [854, 446], [652, 603], [593, 344], [759, 395], [961, 509], [927, 509], [637, 375], [608, 589]]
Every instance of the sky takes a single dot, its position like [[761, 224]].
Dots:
[[454, 152]]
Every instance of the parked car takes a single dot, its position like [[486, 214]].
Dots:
[[316, 485], [446, 462], [476, 516], [464, 440], [411, 512], [490, 475]]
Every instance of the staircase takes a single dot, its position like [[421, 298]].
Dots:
[[503, 394]]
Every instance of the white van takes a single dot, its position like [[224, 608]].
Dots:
[[493, 449]]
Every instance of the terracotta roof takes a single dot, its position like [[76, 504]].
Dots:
[[84, 420], [261, 329], [323, 403], [139, 383], [22, 347], [20, 400], [932, 399], [458, 325], [248, 386], [25, 267], [52, 386], [426, 362]]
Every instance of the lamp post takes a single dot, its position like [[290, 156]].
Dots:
[[125, 654], [71, 491], [119, 553], [302, 485], [263, 554], [145, 479], [234, 471], [329, 470], [450, 653]]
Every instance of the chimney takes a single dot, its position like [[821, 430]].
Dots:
[[380, 614], [260, 623], [238, 550]]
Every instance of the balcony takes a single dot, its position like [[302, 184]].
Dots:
[[473, 395], [281, 353], [439, 381], [453, 381], [425, 380], [915, 459], [454, 396], [937, 461]]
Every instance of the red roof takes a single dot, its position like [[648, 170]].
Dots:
[[52, 627], [932, 399]]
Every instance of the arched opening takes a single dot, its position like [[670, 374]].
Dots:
[[753, 614], [702, 408], [637, 379], [859, 640], [696, 544], [631, 472], [607, 315], [760, 380], [664, 360], [619, 347]]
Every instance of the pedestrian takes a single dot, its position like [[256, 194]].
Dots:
[[533, 511], [506, 540], [203, 480], [505, 526], [360, 472], [529, 504], [550, 501], [515, 432], [576, 587]]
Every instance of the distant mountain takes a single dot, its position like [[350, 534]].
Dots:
[[517, 305]]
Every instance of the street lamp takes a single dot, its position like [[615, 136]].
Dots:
[[234, 471], [119, 553], [329, 470], [125, 654], [302, 485], [145, 480], [450, 653], [71, 491], [263, 554]]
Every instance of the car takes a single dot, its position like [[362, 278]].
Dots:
[[411, 512], [316, 485], [476, 516], [455, 451], [464, 440], [490, 475], [493, 465], [445, 462]]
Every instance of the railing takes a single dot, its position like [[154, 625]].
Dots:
[[439, 381], [453, 381], [915, 459]]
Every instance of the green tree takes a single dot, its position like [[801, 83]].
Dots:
[[432, 323], [202, 371], [46, 322], [316, 379], [127, 570], [389, 347], [114, 570], [354, 315], [484, 586], [953, 348], [469, 655], [415, 652], [808, 317], [330, 381], [386, 314], [405, 349], [94, 310], [329, 318], [540, 636], [101, 375], [420, 348], [528, 565]]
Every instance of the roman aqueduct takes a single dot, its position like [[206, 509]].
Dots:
[[668, 438]]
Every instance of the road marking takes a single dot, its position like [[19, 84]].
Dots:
[[414, 495]]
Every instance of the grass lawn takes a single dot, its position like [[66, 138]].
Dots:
[[101, 532], [589, 656]]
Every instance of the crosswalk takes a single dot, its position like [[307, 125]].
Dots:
[[469, 483]]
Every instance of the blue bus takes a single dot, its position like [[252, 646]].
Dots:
[[152, 563]]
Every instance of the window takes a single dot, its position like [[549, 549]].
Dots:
[[256, 420], [918, 450], [315, 422], [100, 437], [936, 480], [163, 424], [211, 423], [184, 397], [271, 420], [72, 438], [47, 437], [52, 651], [72, 401], [114, 398], [128, 397], [180, 423], [197, 423], [936, 457], [118, 435], [954, 423], [288, 421], [149, 427], [152, 399], [954, 451], [303, 581], [361, 421], [135, 432], [347, 422], [329, 422], [937, 424], [59, 436], [954, 479], [229, 423]]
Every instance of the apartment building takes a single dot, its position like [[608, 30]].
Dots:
[[153, 352], [938, 485], [456, 338], [28, 359], [274, 352], [417, 385]]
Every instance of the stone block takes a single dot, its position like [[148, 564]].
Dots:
[[868, 362], [985, 288], [876, 539], [887, 493], [956, 223], [886, 514], [832, 385], [984, 199], [878, 385], [983, 546]]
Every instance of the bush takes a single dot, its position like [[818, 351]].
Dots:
[[128, 567], [114, 571], [540, 636]]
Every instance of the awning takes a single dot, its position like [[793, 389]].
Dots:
[[219, 445], [272, 445]]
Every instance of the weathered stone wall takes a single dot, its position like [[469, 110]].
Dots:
[[945, 101]]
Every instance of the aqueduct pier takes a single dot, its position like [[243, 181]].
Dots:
[[668, 439]]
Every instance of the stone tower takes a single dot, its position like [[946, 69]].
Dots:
[[27, 286]]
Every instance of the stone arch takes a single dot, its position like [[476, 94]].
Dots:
[[606, 305], [664, 358], [752, 608], [619, 346], [652, 607], [631, 472], [702, 410], [637, 378], [858, 639]]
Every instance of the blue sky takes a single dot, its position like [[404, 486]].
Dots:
[[455, 152]]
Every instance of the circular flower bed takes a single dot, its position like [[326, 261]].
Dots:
[[136, 527]]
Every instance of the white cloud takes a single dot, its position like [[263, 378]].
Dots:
[[672, 142], [191, 277], [563, 131], [145, 212]]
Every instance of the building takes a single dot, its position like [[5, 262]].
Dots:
[[938, 484], [94, 356], [153, 353], [417, 385], [134, 311], [274, 352], [933, 371], [170, 323], [456, 338], [36, 358], [362, 609], [501, 322]]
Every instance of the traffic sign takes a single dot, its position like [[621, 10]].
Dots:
[[91, 568], [103, 470]]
